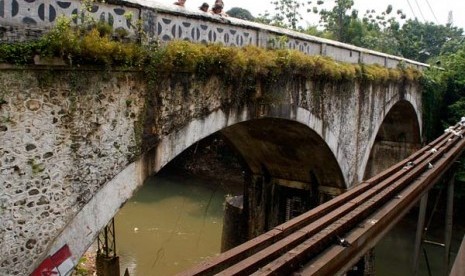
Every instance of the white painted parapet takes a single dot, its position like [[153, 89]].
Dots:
[[22, 20]]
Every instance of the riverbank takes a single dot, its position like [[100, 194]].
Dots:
[[87, 264]]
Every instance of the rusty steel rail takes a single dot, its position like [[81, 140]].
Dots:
[[290, 246], [379, 223], [398, 199]]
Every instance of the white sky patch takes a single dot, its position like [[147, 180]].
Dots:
[[424, 10]]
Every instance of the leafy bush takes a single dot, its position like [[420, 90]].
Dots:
[[18, 53], [96, 43], [181, 56]]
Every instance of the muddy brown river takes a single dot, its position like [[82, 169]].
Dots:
[[174, 222]]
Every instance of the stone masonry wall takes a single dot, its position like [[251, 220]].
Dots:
[[69, 137], [63, 135]]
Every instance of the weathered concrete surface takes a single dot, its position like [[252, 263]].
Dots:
[[64, 134], [75, 145]]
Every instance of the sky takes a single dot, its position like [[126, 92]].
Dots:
[[436, 11]]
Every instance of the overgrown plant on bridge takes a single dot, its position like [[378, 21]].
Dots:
[[444, 100], [77, 46]]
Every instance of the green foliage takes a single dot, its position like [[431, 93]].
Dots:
[[278, 42], [338, 19], [376, 73], [433, 91], [80, 269], [181, 56], [382, 31], [273, 20], [422, 41], [443, 101], [254, 62], [102, 50], [444, 93], [229, 60], [453, 80], [260, 62], [380, 74], [89, 42], [287, 12], [97, 47], [97, 43], [341, 22], [36, 167], [240, 13], [76, 46], [316, 31], [62, 40], [19, 53]]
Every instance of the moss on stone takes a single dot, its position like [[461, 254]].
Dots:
[[46, 78], [36, 167], [94, 47]]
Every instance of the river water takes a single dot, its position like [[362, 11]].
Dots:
[[169, 225], [174, 222]]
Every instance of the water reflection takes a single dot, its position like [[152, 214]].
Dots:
[[169, 225]]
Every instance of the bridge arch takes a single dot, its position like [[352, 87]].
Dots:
[[288, 149], [300, 119], [397, 136], [85, 226], [342, 117], [98, 184]]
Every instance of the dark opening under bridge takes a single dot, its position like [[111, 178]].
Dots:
[[331, 238]]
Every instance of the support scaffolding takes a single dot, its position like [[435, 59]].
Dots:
[[107, 260], [420, 234]]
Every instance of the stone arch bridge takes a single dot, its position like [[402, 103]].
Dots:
[[77, 143]]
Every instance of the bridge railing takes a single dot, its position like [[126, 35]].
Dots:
[[23, 20]]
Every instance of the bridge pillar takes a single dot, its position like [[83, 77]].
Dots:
[[270, 201], [258, 204], [448, 221], [107, 266], [107, 262], [419, 233], [234, 226], [327, 193]]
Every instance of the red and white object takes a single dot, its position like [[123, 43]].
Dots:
[[59, 264], [63, 260], [46, 268]]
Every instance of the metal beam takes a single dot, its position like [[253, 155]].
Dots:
[[420, 233], [356, 220], [448, 222]]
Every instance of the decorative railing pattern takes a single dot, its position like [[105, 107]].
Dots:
[[165, 23], [171, 26], [44, 13]]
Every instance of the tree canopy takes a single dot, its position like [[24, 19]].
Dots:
[[387, 31], [240, 13]]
